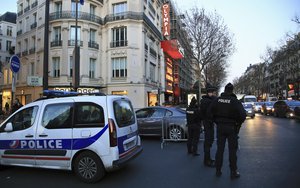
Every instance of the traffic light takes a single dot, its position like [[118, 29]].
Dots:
[[290, 87]]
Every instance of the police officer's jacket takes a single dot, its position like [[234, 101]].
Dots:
[[193, 115], [227, 109], [205, 102]]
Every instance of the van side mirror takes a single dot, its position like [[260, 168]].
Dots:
[[8, 127]]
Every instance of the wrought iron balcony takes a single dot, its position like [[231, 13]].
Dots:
[[32, 50], [56, 43], [27, 9], [33, 25], [19, 32], [20, 13], [34, 4], [153, 52], [72, 43], [122, 16], [119, 43], [25, 52], [71, 15], [93, 44]]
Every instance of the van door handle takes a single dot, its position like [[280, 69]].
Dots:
[[43, 135], [29, 136]]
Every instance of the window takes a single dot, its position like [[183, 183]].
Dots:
[[0, 44], [9, 31], [92, 68], [31, 69], [73, 8], [119, 67], [58, 116], [56, 65], [71, 66], [57, 33], [124, 113], [89, 115], [72, 35], [152, 72], [92, 35], [58, 6], [92, 9], [23, 119], [8, 45], [119, 37], [119, 8]]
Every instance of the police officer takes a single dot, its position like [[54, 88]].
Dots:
[[228, 113], [208, 124], [194, 125]]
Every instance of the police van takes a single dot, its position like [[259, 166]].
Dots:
[[89, 135]]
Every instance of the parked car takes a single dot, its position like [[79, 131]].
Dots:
[[249, 108], [297, 112], [285, 108], [267, 108], [257, 106], [151, 119]]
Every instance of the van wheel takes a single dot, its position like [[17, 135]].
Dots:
[[175, 133], [88, 167]]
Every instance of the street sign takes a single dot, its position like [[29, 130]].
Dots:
[[15, 63], [34, 81]]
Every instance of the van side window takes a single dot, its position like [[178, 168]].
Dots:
[[88, 115], [124, 113], [23, 119], [58, 116]]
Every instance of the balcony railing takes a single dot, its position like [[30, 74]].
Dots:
[[119, 43], [122, 16], [153, 52], [93, 44], [72, 15], [25, 52], [72, 43], [19, 32], [27, 9], [20, 13], [100, 1], [33, 25], [34, 4], [32, 50], [56, 43]]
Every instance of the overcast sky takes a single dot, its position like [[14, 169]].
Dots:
[[255, 24]]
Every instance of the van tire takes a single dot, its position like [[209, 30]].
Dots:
[[88, 167]]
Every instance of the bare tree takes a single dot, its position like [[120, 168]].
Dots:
[[296, 19], [215, 73], [211, 41]]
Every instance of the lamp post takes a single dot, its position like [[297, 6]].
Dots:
[[76, 79], [46, 47]]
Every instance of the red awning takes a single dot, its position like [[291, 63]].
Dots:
[[171, 48]]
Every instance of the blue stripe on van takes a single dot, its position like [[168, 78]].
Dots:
[[78, 143], [122, 139]]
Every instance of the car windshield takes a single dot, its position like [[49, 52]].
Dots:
[[250, 100], [269, 103]]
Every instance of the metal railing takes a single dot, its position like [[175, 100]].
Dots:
[[72, 14]]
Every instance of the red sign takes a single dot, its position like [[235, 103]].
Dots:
[[166, 19]]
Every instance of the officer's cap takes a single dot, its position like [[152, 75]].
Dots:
[[229, 88]]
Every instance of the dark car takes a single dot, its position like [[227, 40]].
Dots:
[[297, 112], [249, 108], [285, 108], [151, 119], [267, 108]]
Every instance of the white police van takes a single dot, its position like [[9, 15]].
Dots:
[[87, 134]]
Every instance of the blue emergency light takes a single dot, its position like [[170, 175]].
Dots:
[[56, 93]]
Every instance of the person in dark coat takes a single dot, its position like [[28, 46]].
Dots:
[[16, 105], [193, 117], [228, 113], [208, 124]]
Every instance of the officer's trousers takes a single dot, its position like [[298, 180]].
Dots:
[[208, 138], [227, 132], [193, 138]]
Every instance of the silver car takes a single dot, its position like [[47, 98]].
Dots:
[[249, 108], [151, 120]]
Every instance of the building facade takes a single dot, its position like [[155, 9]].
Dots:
[[7, 43], [119, 42]]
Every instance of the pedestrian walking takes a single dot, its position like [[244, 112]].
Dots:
[[193, 117], [228, 113], [208, 124]]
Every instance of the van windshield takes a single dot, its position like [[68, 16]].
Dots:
[[124, 113]]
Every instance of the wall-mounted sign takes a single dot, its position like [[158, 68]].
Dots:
[[34, 81], [166, 19]]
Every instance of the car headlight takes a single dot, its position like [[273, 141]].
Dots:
[[268, 108], [249, 111]]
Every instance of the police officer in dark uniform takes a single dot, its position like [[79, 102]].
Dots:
[[208, 124], [228, 113], [193, 117]]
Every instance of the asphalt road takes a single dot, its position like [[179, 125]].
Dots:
[[269, 157]]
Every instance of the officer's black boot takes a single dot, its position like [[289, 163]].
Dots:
[[218, 172], [234, 174], [209, 163]]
